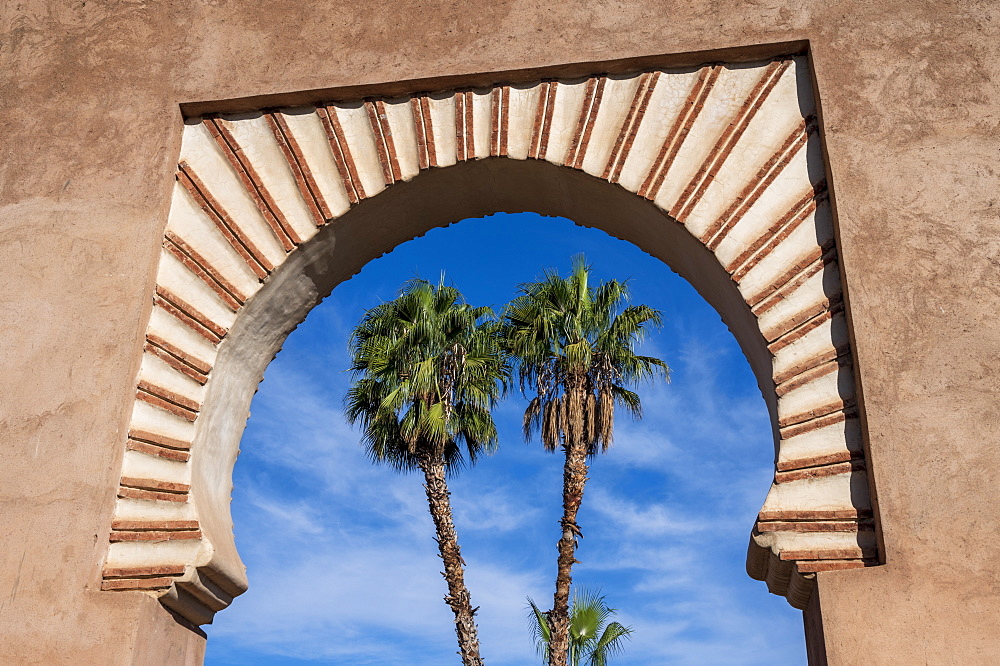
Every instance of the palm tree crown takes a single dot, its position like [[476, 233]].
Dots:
[[567, 337], [592, 639], [428, 368]]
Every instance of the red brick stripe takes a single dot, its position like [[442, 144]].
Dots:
[[461, 151], [198, 265], [590, 110], [495, 122], [766, 175], [147, 525], [167, 399], [252, 182], [550, 108], [723, 148], [177, 363], [693, 105], [820, 472], [816, 461], [815, 566], [470, 125], [504, 119], [226, 225], [127, 492], [159, 451], [299, 167], [137, 583], [341, 154], [764, 244], [822, 514], [157, 439], [827, 554], [189, 315], [165, 535], [815, 526], [143, 572], [626, 136], [155, 484], [388, 177]]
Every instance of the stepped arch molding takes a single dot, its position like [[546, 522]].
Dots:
[[717, 170]]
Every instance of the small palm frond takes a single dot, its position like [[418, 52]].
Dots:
[[540, 634], [610, 644]]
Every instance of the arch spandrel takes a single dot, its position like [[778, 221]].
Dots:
[[716, 170]]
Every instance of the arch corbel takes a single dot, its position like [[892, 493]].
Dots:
[[717, 170]]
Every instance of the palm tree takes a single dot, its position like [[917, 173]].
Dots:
[[574, 347], [589, 638], [428, 368]]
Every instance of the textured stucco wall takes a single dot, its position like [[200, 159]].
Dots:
[[89, 103]]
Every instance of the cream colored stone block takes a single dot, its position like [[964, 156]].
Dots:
[[810, 541], [818, 393], [361, 143], [839, 492], [157, 372], [161, 422], [721, 107], [193, 225], [566, 112], [307, 128], [834, 438], [135, 509], [135, 554], [619, 92], [138, 465], [166, 326], [261, 149], [442, 109], [665, 105], [399, 116], [823, 339], [176, 277], [482, 122], [200, 151], [810, 294], [522, 109]]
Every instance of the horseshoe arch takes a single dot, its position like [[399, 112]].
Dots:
[[717, 170]]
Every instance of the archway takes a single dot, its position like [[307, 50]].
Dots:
[[715, 170]]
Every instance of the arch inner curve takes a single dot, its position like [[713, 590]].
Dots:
[[715, 170]]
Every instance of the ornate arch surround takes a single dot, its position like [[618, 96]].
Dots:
[[717, 170]]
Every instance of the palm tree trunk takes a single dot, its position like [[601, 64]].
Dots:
[[574, 480], [458, 596]]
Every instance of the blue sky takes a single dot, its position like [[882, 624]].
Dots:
[[342, 565]]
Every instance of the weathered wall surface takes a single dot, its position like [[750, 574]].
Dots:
[[89, 103]]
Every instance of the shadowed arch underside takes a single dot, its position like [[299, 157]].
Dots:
[[717, 170]]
